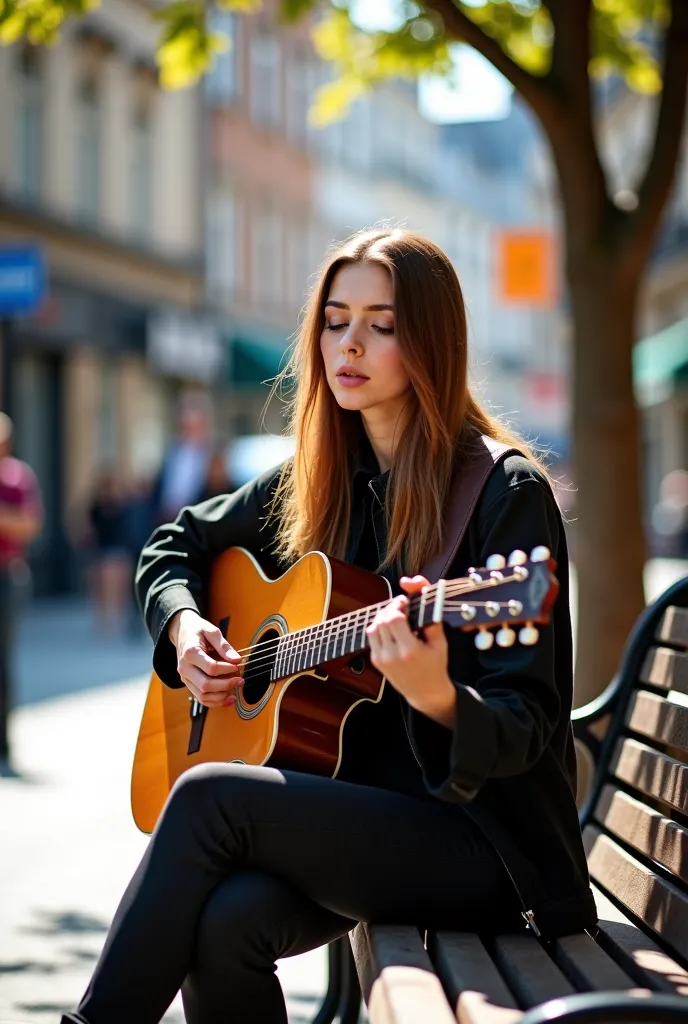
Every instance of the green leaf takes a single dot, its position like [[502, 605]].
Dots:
[[240, 6], [361, 60], [292, 10], [188, 48], [333, 100], [39, 21]]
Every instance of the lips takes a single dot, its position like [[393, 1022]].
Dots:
[[350, 372]]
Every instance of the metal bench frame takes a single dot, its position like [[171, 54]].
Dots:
[[343, 997]]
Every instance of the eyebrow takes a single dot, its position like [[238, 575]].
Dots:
[[366, 309]]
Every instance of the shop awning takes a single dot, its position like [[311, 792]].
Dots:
[[255, 360], [660, 363]]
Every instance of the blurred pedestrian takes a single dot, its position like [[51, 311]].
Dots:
[[139, 526], [21, 520], [670, 515], [111, 559], [182, 477], [217, 479]]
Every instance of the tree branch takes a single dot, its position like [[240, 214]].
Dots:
[[573, 138], [659, 175], [534, 91], [570, 48]]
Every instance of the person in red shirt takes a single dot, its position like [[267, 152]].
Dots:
[[21, 520]]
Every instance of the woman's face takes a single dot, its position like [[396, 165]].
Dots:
[[358, 343]]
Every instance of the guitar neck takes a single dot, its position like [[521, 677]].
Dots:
[[339, 637]]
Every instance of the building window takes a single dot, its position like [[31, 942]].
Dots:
[[221, 251], [88, 151], [29, 124], [267, 256], [298, 99], [141, 183], [222, 82], [298, 266], [265, 80]]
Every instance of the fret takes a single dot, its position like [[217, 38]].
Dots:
[[344, 629], [358, 641]]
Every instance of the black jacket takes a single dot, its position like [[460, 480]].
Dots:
[[509, 762]]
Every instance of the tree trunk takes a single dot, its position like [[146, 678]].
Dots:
[[609, 535]]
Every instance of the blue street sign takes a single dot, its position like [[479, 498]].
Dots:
[[22, 279]]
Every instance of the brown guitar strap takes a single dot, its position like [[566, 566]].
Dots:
[[467, 486]]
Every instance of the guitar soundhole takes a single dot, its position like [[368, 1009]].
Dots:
[[258, 669]]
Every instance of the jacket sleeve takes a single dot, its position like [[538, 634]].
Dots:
[[174, 564], [507, 710]]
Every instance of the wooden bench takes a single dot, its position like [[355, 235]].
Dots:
[[635, 829]]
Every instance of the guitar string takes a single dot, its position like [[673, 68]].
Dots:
[[268, 648], [263, 652], [256, 668]]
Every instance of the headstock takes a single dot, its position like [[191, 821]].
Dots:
[[508, 592]]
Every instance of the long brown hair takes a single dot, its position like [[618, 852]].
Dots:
[[313, 497]]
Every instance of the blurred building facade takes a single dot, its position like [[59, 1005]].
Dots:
[[100, 169]]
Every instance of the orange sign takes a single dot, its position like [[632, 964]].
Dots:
[[526, 267]]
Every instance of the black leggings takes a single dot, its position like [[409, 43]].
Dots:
[[247, 865]]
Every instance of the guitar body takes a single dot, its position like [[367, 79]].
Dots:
[[295, 722]]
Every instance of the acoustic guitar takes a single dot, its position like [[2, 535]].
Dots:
[[306, 661]]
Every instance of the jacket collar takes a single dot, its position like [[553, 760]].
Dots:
[[365, 466]]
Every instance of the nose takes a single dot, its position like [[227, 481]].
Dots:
[[350, 341]]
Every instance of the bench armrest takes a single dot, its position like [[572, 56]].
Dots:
[[607, 1007], [587, 714]]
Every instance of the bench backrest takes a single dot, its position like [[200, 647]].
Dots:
[[637, 829]]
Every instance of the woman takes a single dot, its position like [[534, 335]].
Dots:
[[454, 806]]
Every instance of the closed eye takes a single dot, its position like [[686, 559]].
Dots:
[[375, 327]]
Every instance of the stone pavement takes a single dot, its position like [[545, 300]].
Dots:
[[68, 844]]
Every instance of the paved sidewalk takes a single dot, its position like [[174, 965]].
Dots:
[[68, 848]]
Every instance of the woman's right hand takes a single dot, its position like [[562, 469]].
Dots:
[[208, 666]]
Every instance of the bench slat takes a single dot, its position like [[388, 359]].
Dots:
[[666, 669], [660, 905], [528, 970], [652, 772], [474, 986], [659, 719], [648, 831], [587, 965], [396, 976], [674, 626], [637, 953]]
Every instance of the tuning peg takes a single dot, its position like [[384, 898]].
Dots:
[[483, 639], [492, 608], [529, 635], [505, 637], [475, 577], [467, 612], [540, 554], [495, 562], [515, 607], [517, 557], [520, 573]]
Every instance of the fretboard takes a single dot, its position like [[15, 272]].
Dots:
[[339, 637]]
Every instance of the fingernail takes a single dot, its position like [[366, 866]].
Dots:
[[228, 702]]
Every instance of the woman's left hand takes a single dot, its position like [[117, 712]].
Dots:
[[418, 669]]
